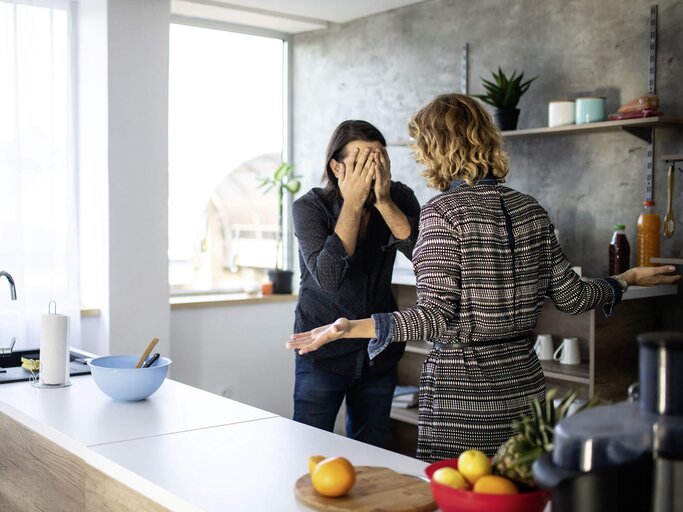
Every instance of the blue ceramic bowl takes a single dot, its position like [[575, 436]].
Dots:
[[118, 378]]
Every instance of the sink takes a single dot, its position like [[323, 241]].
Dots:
[[11, 370]]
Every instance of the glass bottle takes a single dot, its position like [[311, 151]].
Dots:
[[648, 235], [619, 251]]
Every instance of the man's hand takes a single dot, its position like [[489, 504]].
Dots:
[[382, 176], [316, 338], [355, 177]]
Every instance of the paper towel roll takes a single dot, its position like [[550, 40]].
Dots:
[[53, 349]]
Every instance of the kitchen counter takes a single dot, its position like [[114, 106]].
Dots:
[[181, 449]]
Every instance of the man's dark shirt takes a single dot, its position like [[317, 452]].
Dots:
[[335, 285]]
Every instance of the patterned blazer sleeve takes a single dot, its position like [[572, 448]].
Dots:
[[568, 291], [436, 260]]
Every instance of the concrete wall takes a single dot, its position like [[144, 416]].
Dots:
[[383, 68]]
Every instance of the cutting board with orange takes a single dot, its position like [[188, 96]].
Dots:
[[376, 489]]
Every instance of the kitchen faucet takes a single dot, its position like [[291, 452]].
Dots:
[[13, 293], [12, 287]]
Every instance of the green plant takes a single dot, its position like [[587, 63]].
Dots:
[[284, 181], [504, 92], [534, 438]]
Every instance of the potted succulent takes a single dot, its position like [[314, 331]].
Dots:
[[284, 181], [504, 93]]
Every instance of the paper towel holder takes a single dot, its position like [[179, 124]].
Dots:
[[35, 379]]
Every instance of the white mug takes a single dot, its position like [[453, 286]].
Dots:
[[568, 352], [544, 347], [575, 405]]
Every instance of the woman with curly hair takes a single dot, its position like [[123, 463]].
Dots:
[[485, 259]]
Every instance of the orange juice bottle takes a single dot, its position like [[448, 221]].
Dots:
[[648, 235]]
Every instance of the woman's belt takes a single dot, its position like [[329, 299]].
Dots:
[[481, 343]]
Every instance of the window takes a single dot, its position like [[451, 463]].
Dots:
[[226, 132], [38, 213]]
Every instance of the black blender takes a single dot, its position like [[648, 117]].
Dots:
[[626, 456]]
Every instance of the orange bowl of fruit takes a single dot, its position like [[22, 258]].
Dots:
[[474, 488]]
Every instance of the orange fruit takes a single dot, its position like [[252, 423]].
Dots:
[[473, 464], [333, 477], [494, 484], [313, 462], [450, 477]]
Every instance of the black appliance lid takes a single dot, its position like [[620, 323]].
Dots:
[[601, 437]]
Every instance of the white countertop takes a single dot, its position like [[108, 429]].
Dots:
[[245, 466], [88, 416], [185, 448]]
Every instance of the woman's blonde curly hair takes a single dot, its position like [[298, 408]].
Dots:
[[455, 137]]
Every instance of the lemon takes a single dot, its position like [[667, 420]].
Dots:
[[313, 461], [450, 477], [473, 464]]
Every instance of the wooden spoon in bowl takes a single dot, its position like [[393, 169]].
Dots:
[[146, 352]]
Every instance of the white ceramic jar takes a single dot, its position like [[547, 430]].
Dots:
[[561, 112]]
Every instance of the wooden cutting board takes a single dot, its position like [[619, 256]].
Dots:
[[376, 489]]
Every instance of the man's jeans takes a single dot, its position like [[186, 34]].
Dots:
[[318, 394]]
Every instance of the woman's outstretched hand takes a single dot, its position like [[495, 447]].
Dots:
[[649, 276], [314, 339]]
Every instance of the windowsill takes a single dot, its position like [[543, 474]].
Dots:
[[90, 312], [226, 299], [210, 300]]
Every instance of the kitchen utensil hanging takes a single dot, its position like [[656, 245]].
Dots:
[[669, 223]]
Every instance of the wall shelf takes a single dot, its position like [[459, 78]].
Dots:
[[419, 347], [571, 373], [641, 128], [668, 261], [408, 415]]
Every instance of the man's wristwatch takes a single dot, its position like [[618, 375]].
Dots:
[[622, 282]]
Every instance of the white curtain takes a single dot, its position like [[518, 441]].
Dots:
[[38, 201]]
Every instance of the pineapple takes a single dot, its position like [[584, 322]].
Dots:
[[535, 437]]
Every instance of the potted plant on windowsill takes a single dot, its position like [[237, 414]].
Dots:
[[284, 181], [504, 94]]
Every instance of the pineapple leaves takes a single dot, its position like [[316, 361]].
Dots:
[[504, 92], [537, 427], [534, 436]]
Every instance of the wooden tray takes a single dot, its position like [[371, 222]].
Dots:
[[376, 489]]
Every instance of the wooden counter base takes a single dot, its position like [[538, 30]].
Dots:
[[37, 474]]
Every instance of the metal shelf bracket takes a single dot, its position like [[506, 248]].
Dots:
[[640, 132]]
